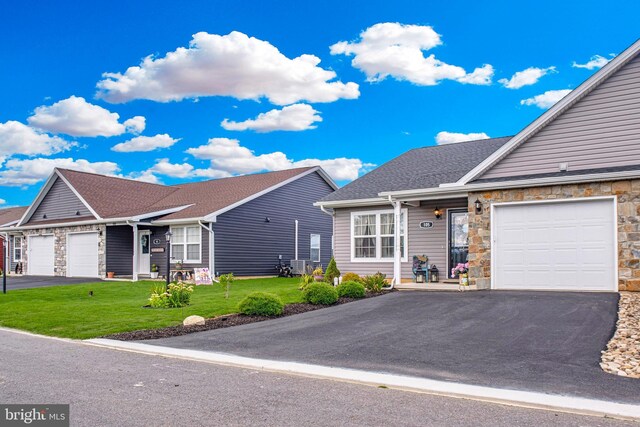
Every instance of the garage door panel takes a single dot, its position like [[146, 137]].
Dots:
[[82, 255], [555, 246], [41, 255]]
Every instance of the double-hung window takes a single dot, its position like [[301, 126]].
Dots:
[[315, 248], [373, 235], [186, 244], [17, 248]]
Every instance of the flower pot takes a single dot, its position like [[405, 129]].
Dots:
[[154, 274], [319, 278], [110, 275]]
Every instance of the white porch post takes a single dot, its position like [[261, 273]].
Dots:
[[397, 260], [296, 240], [135, 251]]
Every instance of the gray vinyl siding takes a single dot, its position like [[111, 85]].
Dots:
[[120, 250], [601, 130], [431, 242], [59, 203], [247, 245]]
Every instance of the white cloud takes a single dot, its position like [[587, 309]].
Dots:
[[227, 155], [546, 99], [18, 138], [296, 117], [76, 117], [31, 171], [596, 61], [397, 50], [232, 65], [164, 167], [145, 143], [3, 201], [526, 77], [135, 125], [445, 137]]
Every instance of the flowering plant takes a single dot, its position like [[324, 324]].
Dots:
[[176, 295], [460, 269]]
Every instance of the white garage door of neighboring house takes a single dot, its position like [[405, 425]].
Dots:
[[82, 253], [569, 246], [40, 260]]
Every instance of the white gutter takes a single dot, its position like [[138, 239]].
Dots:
[[212, 250], [323, 209], [296, 240]]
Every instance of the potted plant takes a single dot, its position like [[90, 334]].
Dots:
[[462, 271], [154, 271], [318, 274], [178, 264], [110, 274]]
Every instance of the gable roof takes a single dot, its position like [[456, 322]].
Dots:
[[560, 107], [425, 167], [10, 216], [109, 197]]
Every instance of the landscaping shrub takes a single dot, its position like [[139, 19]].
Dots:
[[351, 277], [176, 295], [331, 272], [375, 282], [321, 293], [261, 304], [351, 290], [226, 280], [306, 280]]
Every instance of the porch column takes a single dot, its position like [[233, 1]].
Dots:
[[397, 259], [135, 251]]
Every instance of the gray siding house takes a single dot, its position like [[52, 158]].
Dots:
[[555, 207], [87, 225]]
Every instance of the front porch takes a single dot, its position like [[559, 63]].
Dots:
[[445, 285]]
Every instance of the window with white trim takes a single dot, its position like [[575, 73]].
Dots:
[[315, 248], [17, 248], [186, 244], [373, 235]]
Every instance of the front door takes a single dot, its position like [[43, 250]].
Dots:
[[458, 237], [144, 253]]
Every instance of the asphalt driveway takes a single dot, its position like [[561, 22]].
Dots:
[[26, 282], [539, 341]]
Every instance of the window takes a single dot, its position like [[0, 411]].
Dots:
[[186, 244], [373, 235], [315, 248], [17, 248]]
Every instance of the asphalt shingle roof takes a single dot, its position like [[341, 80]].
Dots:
[[425, 167], [9, 215]]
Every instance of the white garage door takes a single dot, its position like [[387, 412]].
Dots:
[[82, 252], [40, 262], [568, 246]]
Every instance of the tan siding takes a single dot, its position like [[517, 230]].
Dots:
[[600, 130], [431, 242]]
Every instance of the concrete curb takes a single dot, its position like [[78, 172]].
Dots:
[[576, 405]]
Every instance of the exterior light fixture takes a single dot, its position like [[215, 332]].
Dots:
[[437, 212], [478, 206]]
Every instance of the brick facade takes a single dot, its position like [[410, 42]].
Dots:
[[628, 205]]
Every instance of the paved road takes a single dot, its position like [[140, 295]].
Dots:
[[108, 387], [539, 341], [27, 282]]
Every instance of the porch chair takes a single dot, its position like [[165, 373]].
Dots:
[[420, 265]]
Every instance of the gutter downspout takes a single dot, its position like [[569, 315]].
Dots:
[[296, 240], [212, 250], [397, 258], [134, 225]]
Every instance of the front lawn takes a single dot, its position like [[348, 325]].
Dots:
[[69, 311]]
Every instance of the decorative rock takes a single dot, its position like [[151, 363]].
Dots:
[[622, 356], [194, 321]]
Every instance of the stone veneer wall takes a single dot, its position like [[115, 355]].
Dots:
[[627, 191], [60, 246]]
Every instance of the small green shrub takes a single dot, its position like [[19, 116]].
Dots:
[[226, 280], [375, 282], [306, 280], [321, 293], [261, 304], [351, 277], [331, 272], [176, 295], [351, 290]]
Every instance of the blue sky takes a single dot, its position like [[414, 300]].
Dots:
[[377, 94]]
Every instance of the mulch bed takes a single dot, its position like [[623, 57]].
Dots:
[[225, 321]]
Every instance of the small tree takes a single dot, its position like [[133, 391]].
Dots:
[[226, 280], [331, 272]]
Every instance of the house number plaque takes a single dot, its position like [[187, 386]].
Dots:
[[426, 224]]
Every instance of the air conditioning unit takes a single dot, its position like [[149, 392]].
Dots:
[[299, 266]]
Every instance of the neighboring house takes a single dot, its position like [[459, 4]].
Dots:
[[85, 225], [555, 207], [9, 217]]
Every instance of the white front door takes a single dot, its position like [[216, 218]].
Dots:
[[144, 253], [41, 256], [565, 246], [82, 253]]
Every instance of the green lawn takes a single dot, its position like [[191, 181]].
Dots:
[[69, 311]]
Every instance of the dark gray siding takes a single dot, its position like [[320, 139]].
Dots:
[[120, 250], [160, 258], [247, 245], [59, 203]]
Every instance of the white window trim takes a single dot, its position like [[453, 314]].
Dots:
[[378, 258], [13, 249], [319, 246], [186, 261]]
